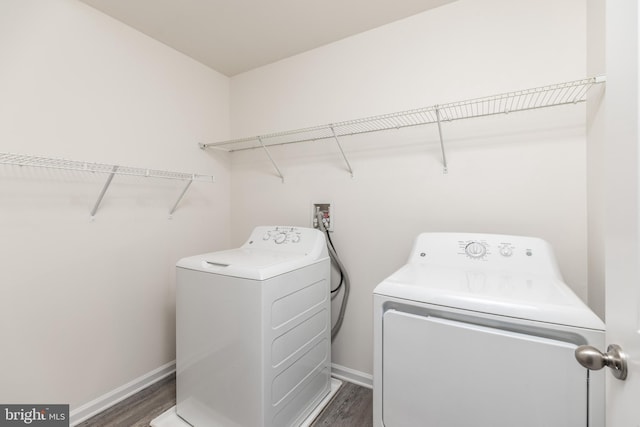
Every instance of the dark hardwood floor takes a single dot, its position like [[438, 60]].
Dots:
[[352, 406], [139, 409]]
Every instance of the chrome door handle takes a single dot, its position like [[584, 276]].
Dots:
[[591, 358]]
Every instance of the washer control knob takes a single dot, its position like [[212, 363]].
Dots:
[[266, 236], [280, 238], [506, 250], [475, 250], [295, 238]]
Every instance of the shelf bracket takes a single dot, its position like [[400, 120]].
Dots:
[[271, 158], [184, 191], [444, 157], [342, 151], [103, 191]]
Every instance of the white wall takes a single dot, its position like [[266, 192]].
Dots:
[[517, 174], [88, 306], [596, 157]]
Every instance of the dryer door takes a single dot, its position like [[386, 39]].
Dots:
[[444, 373]]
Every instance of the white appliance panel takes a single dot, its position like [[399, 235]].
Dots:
[[454, 374], [218, 343], [254, 352], [480, 330]]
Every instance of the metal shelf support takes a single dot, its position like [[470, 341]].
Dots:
[[342, 151], [105, 187], [266, 150], [184, 191], [444, 156]]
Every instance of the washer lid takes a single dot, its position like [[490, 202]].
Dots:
[[524, 296], [249, 263], [269, 251]]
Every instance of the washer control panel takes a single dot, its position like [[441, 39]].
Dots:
[[286, 239], [282, 235]]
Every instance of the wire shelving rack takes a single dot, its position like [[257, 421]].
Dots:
[[110, 170], [572, 92]]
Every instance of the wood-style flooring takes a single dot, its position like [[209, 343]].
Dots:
[[352, 406], [139, 409]]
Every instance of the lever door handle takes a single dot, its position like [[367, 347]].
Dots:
[[593, 359]]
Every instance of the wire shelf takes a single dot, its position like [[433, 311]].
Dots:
[[110, 170], [74, 165], [572, 92]]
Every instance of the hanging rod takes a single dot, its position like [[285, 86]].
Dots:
[[111, 170], [571, 92]]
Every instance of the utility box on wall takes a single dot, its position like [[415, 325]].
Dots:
[[326, 210]]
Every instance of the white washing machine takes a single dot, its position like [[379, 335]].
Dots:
[[480, 330], [254, 331]]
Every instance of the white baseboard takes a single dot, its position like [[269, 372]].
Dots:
[[351, 375], [109, 399]]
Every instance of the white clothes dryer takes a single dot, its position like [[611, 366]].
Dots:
[[480, 330], [254, 331]]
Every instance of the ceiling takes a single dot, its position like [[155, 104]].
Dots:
[[233, 36]]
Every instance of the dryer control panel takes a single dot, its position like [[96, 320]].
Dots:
[[484, 251]]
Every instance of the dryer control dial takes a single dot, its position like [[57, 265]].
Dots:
[[475, 250], [280, 238], [506, 250]]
